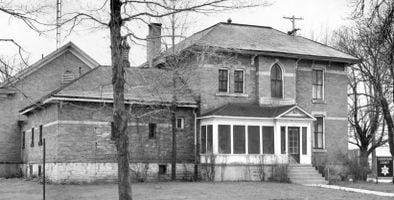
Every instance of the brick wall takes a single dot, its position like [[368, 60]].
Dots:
[[33, 87], [78, 138], [333, 108]]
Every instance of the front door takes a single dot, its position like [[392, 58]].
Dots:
[[294, 143]]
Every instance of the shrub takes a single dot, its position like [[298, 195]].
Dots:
[[280, 173]]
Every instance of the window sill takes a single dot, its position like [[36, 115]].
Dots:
[[319, 150], [225, 94], [319, 101]]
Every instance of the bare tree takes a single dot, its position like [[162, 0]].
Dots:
[[377, 18], [122, 15], [367, 127]]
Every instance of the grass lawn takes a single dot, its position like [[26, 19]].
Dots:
[[383, 187], [17, 189]]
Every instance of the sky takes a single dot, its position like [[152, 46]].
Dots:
[[319, 18]]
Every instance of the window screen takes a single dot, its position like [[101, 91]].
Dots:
[[304, 142], [239, 139], [253, 140], [268, 140], [283, 139], [224, 139], [209, 139], [203, 139]]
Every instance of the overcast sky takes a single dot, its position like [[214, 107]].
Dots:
[[319, 16]]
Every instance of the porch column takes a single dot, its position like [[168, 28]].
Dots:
[[215, 140], [277, 138]]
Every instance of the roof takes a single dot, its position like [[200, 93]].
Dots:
[[253, 110], [262, 39], [71, 47], [143, 85]]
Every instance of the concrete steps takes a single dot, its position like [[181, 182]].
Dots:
[[305, 175]]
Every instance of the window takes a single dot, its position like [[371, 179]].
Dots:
[[283, 139], [223, 80], [253, 140], [224, 139], [23, 139], [32, 137], [180, 123], [162, 169], [318, 136], [304, 149], [40, 136], [276, 81], [239, 146], [239, 81], [206, 139], [317, 84], [268, 140], [209, 139], [203, 139], [152, 131]]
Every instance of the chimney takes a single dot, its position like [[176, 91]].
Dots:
[[153, 48]]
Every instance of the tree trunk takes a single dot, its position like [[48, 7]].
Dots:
[[119, 110], [364, 164]]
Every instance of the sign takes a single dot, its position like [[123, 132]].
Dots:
[[385, 166]]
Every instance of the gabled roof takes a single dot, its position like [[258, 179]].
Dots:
[[143, 85], [257, 111], [264, 40], [71, 47]]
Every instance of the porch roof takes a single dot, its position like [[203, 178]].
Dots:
[[249, 110]]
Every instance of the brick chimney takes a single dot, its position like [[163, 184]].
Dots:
[[153, 48]]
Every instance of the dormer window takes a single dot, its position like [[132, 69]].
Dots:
[[67, 77], [276, 82]]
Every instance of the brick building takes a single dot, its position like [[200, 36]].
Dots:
[[248, 95]]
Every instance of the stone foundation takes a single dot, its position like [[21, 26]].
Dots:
[[106, 172]]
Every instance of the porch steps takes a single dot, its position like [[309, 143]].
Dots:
[[305, 175]]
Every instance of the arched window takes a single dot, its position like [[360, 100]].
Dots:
[[276, 81]]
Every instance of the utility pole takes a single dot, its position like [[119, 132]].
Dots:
[[58, 17], [293, 21]]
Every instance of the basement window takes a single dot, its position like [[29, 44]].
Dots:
[[152, 130], [162, 169]]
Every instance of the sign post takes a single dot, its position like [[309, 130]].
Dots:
[[384, 166]]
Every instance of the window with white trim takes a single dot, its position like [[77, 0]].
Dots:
[[238, 81], [318, 136], [223, 80], [206, 139], [276, 82], [180, 123], [317, 84]]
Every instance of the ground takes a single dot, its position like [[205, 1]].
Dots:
[[17, 189], [382, 187]]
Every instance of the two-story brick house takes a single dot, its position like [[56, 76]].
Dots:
[[254, 96]]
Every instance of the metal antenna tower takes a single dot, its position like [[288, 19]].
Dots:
[[58, 17]]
